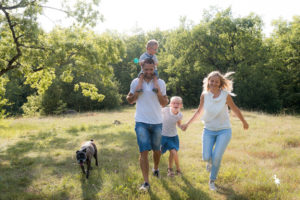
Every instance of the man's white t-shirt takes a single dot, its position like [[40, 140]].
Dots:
[[148, 108]]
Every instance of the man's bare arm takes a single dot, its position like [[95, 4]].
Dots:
[[163, 100], [131, 98]]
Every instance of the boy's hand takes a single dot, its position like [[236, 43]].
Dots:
[[141, 77]]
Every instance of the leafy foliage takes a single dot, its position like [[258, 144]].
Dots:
[[75, 68], [42, 58], [285, 45], [221, 43]]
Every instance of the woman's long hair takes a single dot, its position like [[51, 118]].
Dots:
[[225, 82]]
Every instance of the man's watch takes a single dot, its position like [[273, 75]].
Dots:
[[155, 90], [140, 90]]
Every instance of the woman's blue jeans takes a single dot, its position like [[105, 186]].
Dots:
[[214, 144]]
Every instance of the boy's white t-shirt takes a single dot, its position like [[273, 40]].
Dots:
[[169, 122], [148, 108]]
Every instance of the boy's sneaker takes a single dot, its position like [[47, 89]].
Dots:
[[145, 187], [208, 167], [156, 172], [178, 172], [212, 185], [170, 172]]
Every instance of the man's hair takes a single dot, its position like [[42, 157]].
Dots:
[[148, 61], [151, 43]]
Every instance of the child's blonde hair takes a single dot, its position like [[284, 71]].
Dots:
[[225, 82], [176, 98], [151, 43]]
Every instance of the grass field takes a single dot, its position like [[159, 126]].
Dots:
[[37, 159]]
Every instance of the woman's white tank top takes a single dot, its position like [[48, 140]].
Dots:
[[216, 116]]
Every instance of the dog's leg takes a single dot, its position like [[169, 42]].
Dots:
[[88, 162], [82, 168], [96, 157], [95, 154]]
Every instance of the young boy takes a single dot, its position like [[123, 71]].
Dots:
[[152, 47], [170, 141]]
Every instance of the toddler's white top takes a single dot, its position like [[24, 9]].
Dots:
[[169, 122]]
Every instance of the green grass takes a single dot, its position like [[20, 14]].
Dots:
[[37, 159]]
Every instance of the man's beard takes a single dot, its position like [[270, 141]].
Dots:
[[149, 76]]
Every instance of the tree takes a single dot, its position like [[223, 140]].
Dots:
[[21, 33], [25, 48], [80, 59], [285, 62], [224, 43]]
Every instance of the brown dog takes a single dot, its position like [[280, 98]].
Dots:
[[85, 155]]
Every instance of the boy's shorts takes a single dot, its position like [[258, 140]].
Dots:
[[169, 143], [148, 136]]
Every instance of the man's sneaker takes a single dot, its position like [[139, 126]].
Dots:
[[208, 167], [212, 185], [144, 187], [156, 173]]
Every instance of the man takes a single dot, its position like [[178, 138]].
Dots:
[[148, 117]]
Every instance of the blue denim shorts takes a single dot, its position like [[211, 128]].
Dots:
[[169, 143], [148, 136]]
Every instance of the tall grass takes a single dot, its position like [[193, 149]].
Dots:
[[37, 159]]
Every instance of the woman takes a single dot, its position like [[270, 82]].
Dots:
[[214, 101]]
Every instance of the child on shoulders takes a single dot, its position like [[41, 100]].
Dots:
[[152, 47]]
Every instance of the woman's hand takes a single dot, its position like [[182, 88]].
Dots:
[[245, 125]]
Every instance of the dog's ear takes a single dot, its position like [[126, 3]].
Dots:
[[77, 152]]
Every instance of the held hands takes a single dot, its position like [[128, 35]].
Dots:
[[184, 127]]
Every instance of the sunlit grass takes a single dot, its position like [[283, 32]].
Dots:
[[37, 159]]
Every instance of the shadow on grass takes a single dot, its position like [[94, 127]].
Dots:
[[16, 178], [117, 152], [90, 187], [193, 192], [153, 196], [19, 162], [230, 193], [173, 193], [123, 152]]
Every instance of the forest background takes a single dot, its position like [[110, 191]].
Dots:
[[75, 68]]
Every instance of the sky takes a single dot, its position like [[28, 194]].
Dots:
[[126, 15]]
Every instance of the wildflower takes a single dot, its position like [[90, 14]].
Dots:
[[276, 180]]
